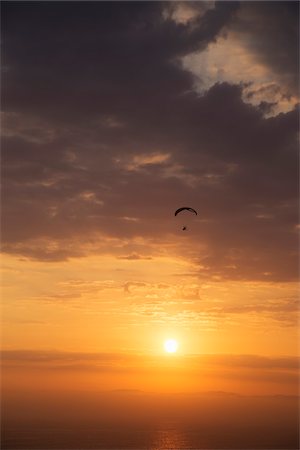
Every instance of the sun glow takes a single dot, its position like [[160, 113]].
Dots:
[[171, 346]]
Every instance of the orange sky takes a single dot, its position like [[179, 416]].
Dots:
[[70, 312]]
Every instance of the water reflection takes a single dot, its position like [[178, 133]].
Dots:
[[170, 437]]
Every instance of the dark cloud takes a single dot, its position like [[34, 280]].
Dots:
[[272, 34], [104, 136], [100, 57]]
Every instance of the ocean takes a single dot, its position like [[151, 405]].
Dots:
[[138, 421]]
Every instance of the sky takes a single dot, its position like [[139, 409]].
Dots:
[[115, 114]]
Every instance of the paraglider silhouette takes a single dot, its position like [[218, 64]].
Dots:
[[183, 208], [184, 228]]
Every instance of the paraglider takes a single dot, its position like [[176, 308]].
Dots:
[[187, 208], [183, 208]]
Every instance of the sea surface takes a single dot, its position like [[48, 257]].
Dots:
[[167, 437], [138, 422]]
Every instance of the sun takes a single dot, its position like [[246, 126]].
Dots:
[[171, 346]]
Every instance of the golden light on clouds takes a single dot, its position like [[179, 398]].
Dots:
[[230, 60], [103, 303]]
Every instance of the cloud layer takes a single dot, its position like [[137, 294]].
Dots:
[[106, 134]]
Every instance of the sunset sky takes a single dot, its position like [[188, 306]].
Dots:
[[115, 114]]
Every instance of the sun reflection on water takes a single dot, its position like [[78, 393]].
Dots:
[[171, 437]]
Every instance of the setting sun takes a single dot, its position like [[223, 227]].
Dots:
[[171, 346]]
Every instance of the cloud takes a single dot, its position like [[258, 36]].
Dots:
[[98, 161], [129, 362], [137, 28], [259, 86], [184, 13], [256, 54], [133, 284], [138, 162], [271, 33], [134, 257]]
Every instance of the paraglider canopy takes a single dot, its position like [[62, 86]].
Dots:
[[185, 208]]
